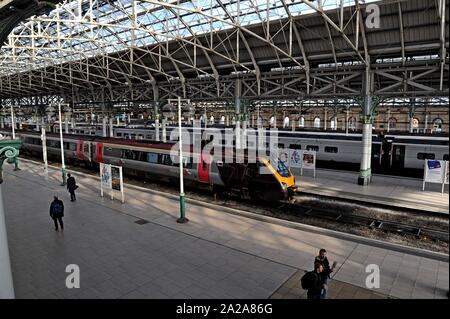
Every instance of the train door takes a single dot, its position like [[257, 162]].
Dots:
[[386, 155], [203, 169], [376, 157], [398, 157], [99, 152], [80, 151]]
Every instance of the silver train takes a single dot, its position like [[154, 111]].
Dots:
[[391, 154]]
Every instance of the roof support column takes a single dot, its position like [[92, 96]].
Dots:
[[237, 107], [412, 113], [155, 109], [365, 172]]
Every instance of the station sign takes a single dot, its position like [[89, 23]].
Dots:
[[436, 171]]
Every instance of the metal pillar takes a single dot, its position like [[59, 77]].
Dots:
[[104, 127], [155, 109], [237, 96], [387, 119], [412, 112], [37, 123], [13, 124], [9, 150], [66, 124], [365, 172], [164, 132], [111, 127], [63, 165], [346, 121], [325, 120], [182, 218], [6, 281]]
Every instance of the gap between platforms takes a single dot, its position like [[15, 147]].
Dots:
[[290, 224]]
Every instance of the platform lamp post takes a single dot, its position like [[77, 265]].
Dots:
[[9, 150], [182, 219], [13, 124]]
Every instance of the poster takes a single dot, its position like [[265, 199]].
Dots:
[[105, 173], [309, 159], [115, 178], [434, 171], [284, 156], [295, 159]]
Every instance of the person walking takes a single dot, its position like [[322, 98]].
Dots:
[[71, 187], [313, 282], [57, 212], [327, 270]]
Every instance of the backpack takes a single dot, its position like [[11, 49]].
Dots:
[[57, 209], [308, 279]]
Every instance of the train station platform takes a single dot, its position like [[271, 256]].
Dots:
[[384, 190], [137, 250]]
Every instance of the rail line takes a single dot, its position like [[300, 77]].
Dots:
[[366, 221]]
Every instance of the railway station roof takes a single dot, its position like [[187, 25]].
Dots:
[[312, 48]]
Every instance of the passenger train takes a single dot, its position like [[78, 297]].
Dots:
[[391, 153], [257, 179]]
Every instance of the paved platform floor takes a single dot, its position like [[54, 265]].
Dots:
[[215, 255], [391, 190]]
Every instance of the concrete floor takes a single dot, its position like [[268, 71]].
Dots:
[[215, 255]]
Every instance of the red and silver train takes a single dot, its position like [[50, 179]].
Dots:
[[257, 180]]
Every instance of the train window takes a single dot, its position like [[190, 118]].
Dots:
[[166, 160], [331, 149], [282, 169], [152, 158], [280, 145], [119, 134], [312, 148], [72, 146], [445, 158], [295, 147], [422, 156], [113, 152]]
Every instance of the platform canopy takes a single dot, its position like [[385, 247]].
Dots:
[[123, 50]]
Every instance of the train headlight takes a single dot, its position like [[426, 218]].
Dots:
[[283, 186]]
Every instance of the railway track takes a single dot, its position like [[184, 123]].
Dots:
[[375, 224]]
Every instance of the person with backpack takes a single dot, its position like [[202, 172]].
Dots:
[[327, 270], [313, 282], [57, 212], [71, 187]]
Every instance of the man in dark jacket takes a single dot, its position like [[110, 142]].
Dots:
[[327, 270], [316, 286], [71, 186], [57, 212]]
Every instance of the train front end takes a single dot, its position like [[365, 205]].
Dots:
[[283, 177]]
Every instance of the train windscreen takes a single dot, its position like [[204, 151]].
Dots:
[[282, 169]]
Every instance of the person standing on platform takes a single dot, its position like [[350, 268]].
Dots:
[[57, 212], [313, 282], [71, 186], [327, 270]]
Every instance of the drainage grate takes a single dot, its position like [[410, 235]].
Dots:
[[141, 222]]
